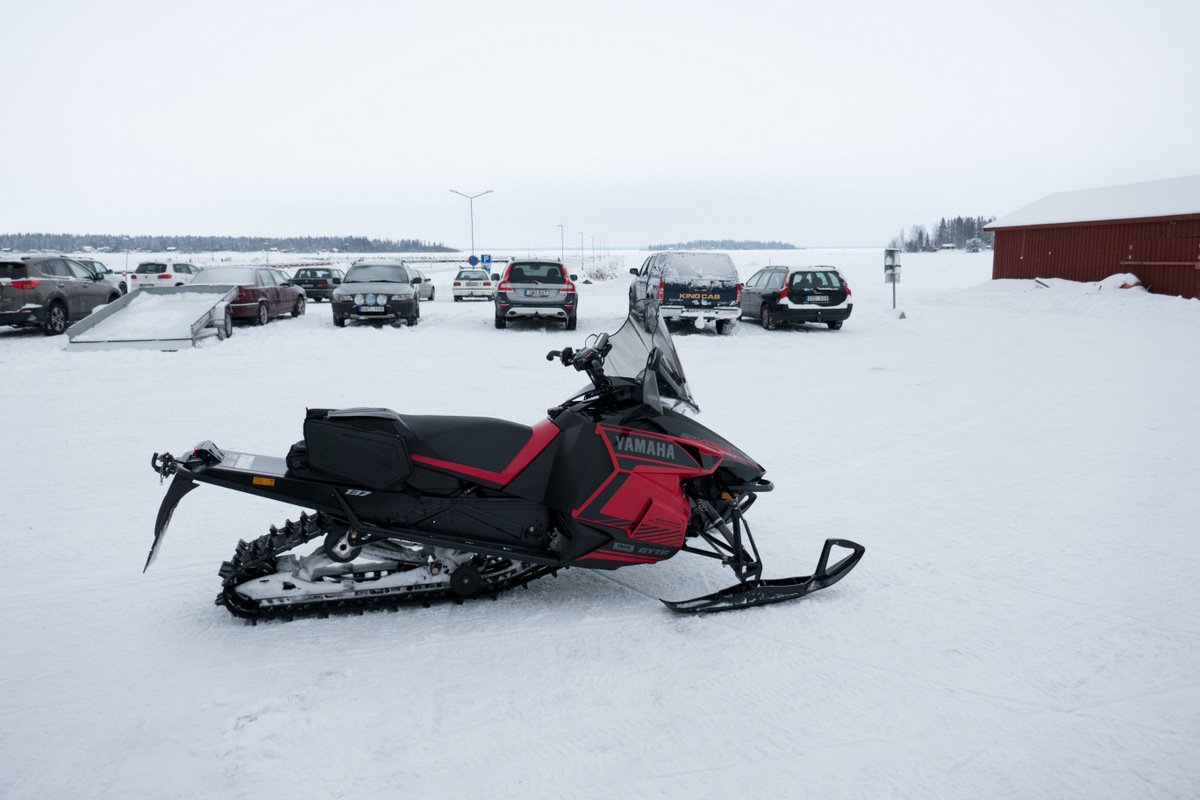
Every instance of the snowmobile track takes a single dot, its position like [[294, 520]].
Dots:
[[259, 558]]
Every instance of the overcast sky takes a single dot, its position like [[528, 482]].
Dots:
[[833, 123]]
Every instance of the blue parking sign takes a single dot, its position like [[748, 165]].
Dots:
[[485, 258]]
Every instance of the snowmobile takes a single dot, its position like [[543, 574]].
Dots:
[[419, 508]]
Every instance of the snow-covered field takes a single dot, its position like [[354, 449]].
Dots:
[[1022, 464]]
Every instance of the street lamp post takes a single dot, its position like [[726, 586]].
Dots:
[[582, 259], [471, 198], [562, 247]]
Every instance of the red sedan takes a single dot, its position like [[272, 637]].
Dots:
[[263, 293]]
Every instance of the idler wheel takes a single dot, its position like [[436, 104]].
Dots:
[[341, 547], [466, 580]]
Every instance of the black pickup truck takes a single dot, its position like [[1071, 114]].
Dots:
[[690, 286]]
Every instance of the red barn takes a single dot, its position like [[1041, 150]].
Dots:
[[1149, 229]]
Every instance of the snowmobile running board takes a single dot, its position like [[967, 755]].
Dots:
[[765, 592]]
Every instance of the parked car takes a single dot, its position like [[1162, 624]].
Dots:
[[690, 286], [50, 292], [425, 291], [536, 289], [318, 282], [161, 273], [115, 278], [472, 283], [380, 291], [263, 292], [780, 295]]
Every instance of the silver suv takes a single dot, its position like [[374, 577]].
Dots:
[[536, 289], [50, 292]]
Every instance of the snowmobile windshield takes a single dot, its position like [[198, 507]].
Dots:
[[642, 352]]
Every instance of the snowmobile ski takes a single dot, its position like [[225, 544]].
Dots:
[[760, 592]]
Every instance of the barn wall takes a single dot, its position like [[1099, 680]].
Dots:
[[1164, 253]]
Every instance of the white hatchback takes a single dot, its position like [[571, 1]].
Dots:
[[161, 273], [472, 283]]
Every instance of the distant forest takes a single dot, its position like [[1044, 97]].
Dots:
[[723, 244], [965, 233], [104, 243]]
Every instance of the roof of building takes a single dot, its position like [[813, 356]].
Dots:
[[1166, 198]]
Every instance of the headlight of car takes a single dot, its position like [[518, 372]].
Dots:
[[383, 298], [359, 299]]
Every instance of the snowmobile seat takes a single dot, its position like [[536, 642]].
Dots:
[[477, 443]]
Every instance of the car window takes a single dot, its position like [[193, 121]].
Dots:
[[313, 273], [150, 268], [384, 273], [646, 265], [471, 275], [755, 279], [264, 277], [695, 266], [774, 281], [56, 267], [536, 273], [816, 279], [79, 270], [13, 271]]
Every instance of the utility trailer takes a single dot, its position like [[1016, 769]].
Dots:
[[157, 318]]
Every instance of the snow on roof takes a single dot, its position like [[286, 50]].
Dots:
[[1164, 198]]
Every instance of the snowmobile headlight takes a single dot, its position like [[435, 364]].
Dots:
[[360, 300]]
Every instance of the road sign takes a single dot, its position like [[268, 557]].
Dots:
[[472, 261], [485, 259]]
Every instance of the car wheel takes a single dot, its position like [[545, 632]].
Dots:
[[432, 294], [124, 288], [263, 316], [299, 309], [114, 297], [226, 327], [339, 321], [834, 326], [571, 322], [416, 316], [56, 319], [725, 326], [457, 299], [765, 318], [501, 322]]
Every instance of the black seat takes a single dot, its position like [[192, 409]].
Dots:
[[481, 443]]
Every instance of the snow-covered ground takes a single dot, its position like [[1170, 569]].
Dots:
[[1021, 462]]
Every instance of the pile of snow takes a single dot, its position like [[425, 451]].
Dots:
[[1120, 295]]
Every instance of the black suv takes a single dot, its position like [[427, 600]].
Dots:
[[779, 295], [536, 289], [690, 286], [318, 282], [50, 292]]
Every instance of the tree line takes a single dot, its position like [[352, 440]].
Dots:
[[74, 243], [965, 233], [723, 244]]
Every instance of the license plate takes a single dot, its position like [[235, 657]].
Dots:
[[817, 298], [371, 309], [472, 283], [537, 292]]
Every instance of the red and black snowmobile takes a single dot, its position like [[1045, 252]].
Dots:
[[417, 508]]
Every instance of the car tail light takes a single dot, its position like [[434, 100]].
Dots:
[[783, 293], [504, 286], [26, 283], [244, 295], [322, 285], [456, 283], [487, 283], [739, 294], [166, 276], [567, 285], [662, 290], [846, 286]]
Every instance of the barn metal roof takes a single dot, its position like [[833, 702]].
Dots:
[[1166, 198]]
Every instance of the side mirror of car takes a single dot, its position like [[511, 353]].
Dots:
[[337, 281], [574, 277], [495, 276], [415, 281], [633, 270]]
